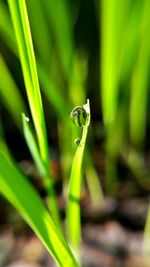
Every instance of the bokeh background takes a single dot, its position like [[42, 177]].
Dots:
[[84, 49]]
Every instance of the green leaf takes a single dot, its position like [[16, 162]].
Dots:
[[26, 52], [27, 58], [73, 223], [140, 82], [30, 140], [15, 187]]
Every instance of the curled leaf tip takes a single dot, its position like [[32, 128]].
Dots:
[[25, 117], [80, 115]]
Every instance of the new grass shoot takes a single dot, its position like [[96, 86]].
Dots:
[[81, 118]]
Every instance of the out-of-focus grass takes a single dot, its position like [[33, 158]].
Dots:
[[60, 22], [125, 61], [13, 102], [40, 32], [139, 83]]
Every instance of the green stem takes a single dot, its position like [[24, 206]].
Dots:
[[73, 222]]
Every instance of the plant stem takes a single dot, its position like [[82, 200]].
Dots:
[[73, 222]]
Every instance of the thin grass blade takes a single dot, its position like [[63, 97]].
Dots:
[[27, 58], [73, 224], [30, 140], [139, 83]]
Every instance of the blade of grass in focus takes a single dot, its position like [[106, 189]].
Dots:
[[73, 224], [10, 94], [15, 187], [77, 94], [24, 41]]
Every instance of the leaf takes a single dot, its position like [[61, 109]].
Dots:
[[27, 58], [73, 224], [15, 187], [30, 140]]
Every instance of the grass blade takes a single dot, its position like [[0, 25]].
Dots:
[[27, 59], [23, 36], [15, 187], [73, 209], [30, 140], [140, 79]]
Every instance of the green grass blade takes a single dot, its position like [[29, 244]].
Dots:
[[108, 59], [140, 79], [15, 187], [73, 208], [10, 95], [27, 58], [36, 156], [30, 140], [24, 40]]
